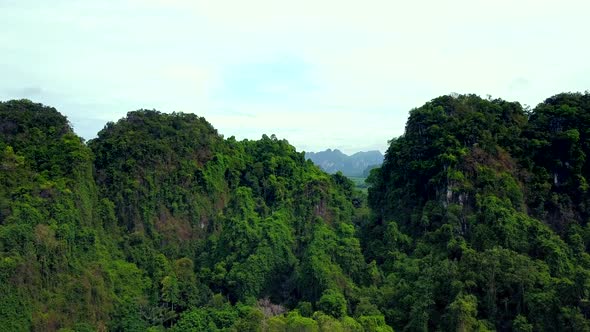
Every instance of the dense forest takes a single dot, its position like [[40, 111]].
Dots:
[[476, 221]]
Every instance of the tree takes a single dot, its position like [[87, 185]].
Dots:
[[333, 303]]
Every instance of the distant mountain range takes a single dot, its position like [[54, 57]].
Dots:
[[358, 164]]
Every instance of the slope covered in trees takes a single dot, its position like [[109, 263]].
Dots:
[[477, 220], [55, 262], [480, 217], [176, 227]]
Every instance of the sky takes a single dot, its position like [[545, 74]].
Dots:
[[319, 73]]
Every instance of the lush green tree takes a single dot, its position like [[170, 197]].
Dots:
[[332, 303]]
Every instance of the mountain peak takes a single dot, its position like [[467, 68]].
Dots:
[[356, 164]]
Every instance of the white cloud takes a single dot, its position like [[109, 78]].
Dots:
[[366, 63]]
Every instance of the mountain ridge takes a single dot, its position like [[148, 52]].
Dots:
[[354, 165]]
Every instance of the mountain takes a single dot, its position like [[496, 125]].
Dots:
[[481, 216], [477, 220], [357, 164], [161, 223]]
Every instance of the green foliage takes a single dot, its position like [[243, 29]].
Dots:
[[296, 323], [50, 234], [138, 229], [15, 309], [463, 311], [374, 323], [332, 303], [520, 324], [478, 220], [489, 202]]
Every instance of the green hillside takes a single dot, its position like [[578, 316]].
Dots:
[[477, 220]]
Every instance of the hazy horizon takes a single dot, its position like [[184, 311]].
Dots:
[[319, 74]]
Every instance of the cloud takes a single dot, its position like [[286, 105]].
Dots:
[[325, 73], [518, 84], [26, 92]]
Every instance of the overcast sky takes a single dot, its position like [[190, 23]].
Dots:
[[320, 73]]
